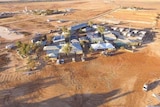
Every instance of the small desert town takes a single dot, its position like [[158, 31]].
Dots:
[[80, 53]]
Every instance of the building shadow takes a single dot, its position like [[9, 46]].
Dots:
[[4, 68], [118, 53], [33, 88], [76, 100], [153, 85], [4, 60]]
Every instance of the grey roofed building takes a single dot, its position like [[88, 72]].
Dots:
[[109, 36], [124, 33], [76, 48], [118, 34], [84, 38], [74, 41], [135, 31], [94, 37], [142, 32], [52, 51], [121, 29], [54, 47], [78, 26], [58, 39], [87, 29], [114, 28]]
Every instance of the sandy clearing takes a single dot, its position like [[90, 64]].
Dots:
[[10, 34]]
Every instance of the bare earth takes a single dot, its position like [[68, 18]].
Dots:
[[115, 81]]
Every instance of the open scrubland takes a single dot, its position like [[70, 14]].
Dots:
[[100, 81]]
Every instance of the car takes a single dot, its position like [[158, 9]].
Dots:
[[145, 87]]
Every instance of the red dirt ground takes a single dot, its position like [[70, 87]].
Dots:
[[114, 81]]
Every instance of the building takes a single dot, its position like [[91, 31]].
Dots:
[[60, 39], [75, 48], [52, 51], [94, 37], [102, 46], [78, 26], [109, 36]]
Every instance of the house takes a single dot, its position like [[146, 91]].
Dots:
[[118, 34], [129, 34], [78, 26], [42, 43], [109, 36], [121, 42], [121, 29], [143, 32], [94, 26], [52, 51], [75, 48], [74, 41], [135, 31], [87, 29], [102, 46], [114, 28], [60, 39], [84, 38], [124, 33], [73, 37], [94, 37]]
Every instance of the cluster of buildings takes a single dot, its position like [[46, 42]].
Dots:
[[84, 37]]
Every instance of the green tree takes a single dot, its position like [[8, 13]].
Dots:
[[67, 48], [18, 44], [101, 29], [66, 31], [90, 23], [27, 49]]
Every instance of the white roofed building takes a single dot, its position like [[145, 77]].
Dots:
[[102, 46]]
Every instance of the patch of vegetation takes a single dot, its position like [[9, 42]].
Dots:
[[133, 8], [25, 33], [67, 48], [25, 49], [46, 12]]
